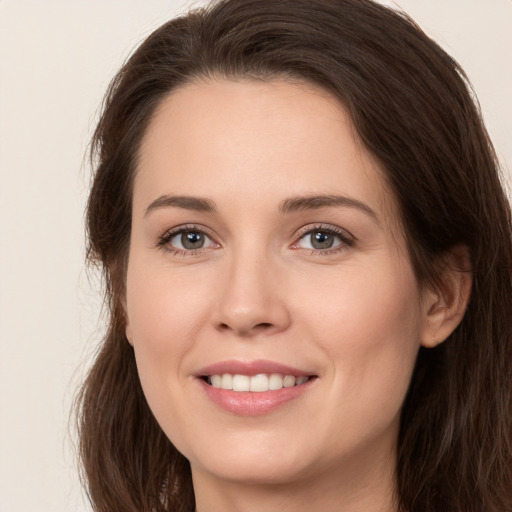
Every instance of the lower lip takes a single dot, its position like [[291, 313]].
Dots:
[[247, 403]]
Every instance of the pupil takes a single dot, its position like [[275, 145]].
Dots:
[[322, 240], [192, 240]]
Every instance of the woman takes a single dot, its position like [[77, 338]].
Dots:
[[308, 254]]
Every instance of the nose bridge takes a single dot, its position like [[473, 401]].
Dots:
[[251, 299]]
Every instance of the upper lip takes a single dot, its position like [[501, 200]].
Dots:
[[250, 368]]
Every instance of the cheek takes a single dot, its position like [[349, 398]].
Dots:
[[163, 308], [368, 322], [365, 303]]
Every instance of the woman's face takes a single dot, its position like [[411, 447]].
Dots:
[[266, 245]]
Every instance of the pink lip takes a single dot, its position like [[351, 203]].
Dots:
[[247, 403], [251, 368]]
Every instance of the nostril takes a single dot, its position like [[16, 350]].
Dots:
[[264, 325]]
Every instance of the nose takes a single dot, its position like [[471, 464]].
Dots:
[[252, 298]]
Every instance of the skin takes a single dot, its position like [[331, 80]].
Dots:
[[257, 289]]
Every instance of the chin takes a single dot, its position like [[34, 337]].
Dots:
[[255, 460], [262, 471]]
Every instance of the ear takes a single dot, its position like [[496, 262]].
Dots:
[[446, 304]]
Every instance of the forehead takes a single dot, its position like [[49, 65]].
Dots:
[[256, 140]]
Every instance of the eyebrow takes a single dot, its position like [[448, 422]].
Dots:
[[294, 204], [197, 204], [290, 205]]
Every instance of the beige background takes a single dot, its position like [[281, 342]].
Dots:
[[56, 59]]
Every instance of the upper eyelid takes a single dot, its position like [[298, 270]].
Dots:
[[324, 227], [298, 232], [188, 227]]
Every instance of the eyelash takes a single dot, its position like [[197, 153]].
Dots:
[[163, 241], [346, 239]]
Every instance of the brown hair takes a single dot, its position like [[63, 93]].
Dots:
[[413, 108]]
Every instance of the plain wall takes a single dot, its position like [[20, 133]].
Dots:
[[56, 59]]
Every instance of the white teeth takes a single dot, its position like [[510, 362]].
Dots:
[[241, 382], [226, 381], [275, 381], [259, 383], [289, 381], [256, 383], [216, 381], [300, 380]]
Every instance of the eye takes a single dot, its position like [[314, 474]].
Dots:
[[189, 240], [323, 239], [186, 240], [319, 240]]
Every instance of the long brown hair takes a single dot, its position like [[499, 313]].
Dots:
[[413, 108]]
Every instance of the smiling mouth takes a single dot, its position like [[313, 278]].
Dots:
[[256, 383]]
